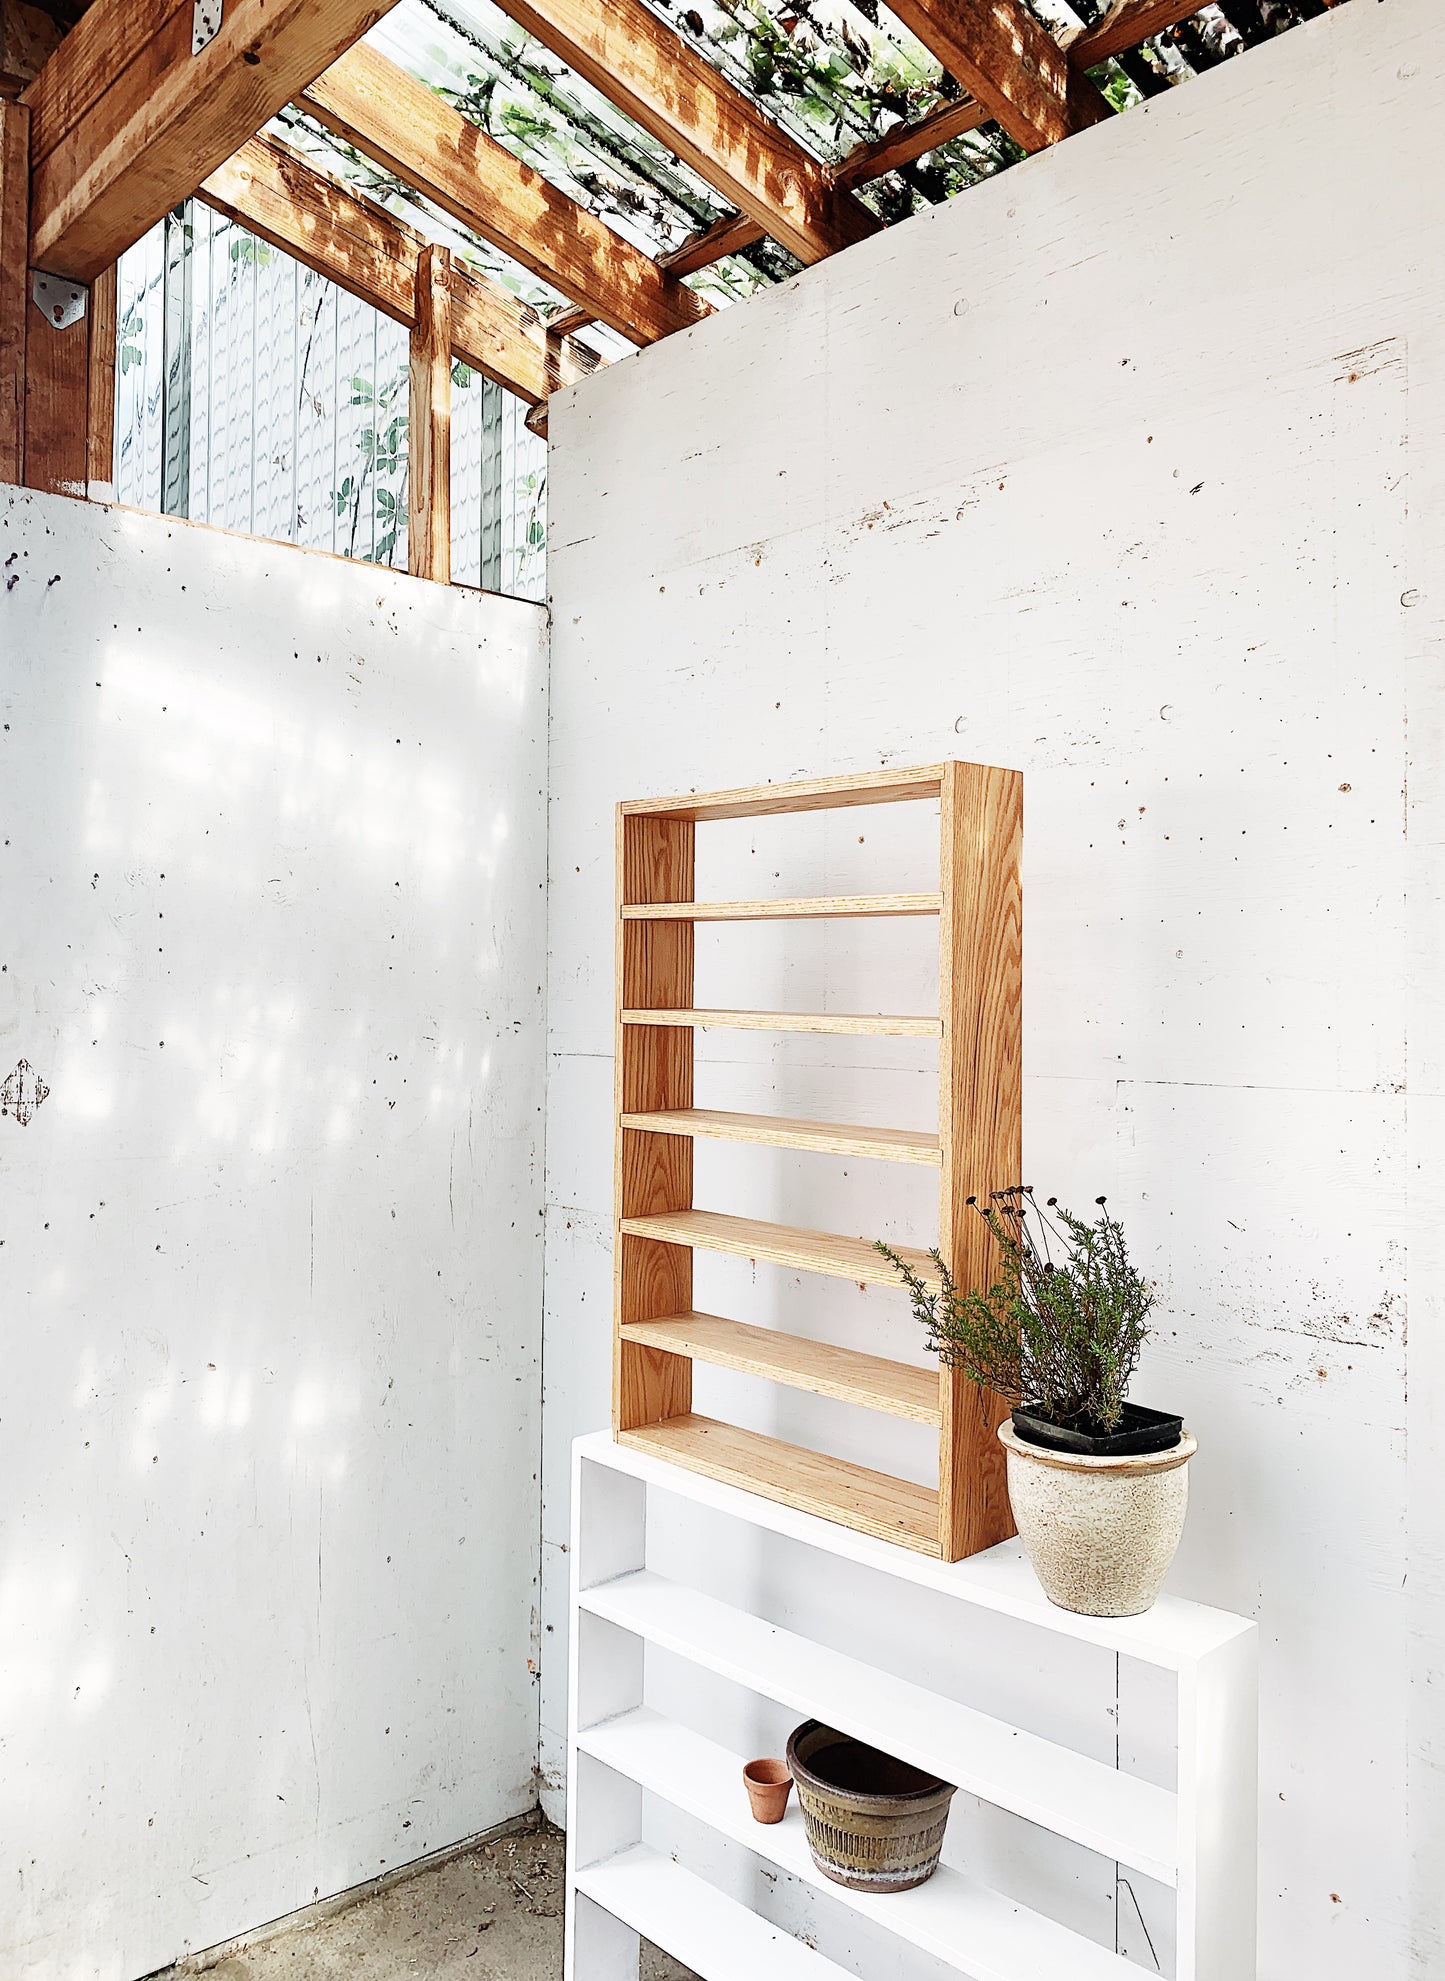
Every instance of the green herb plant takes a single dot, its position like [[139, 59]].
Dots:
[[1060, 1329]]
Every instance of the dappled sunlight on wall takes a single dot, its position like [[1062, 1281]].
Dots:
[[269, 1247]]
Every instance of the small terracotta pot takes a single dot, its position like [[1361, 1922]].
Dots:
[[1100, 1532], [769, 1785]]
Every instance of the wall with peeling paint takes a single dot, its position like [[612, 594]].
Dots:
[[271, 934], [1125, 469]]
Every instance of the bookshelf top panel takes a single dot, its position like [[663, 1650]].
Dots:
[[814, 794]]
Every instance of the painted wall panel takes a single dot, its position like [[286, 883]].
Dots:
[[271, 1265], [1126, 470]]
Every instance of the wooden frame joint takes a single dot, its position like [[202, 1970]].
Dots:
[[59, 300]]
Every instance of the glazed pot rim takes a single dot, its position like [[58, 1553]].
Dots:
[[866, 1800], [1125, 1464]]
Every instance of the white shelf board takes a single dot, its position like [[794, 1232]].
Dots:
[[1115, 1814], [977, 1931], [697, 1924], [1174, 1634]]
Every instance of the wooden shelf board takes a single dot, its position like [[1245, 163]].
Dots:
[[839, 1023], [979, 1932], [817, 794], [872, 1502], [777, 1131], [870, 1381], [804, 909], [696, 1923], [1118, 1815], [780, 1245]]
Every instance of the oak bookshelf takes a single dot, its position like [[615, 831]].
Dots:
[[657, 1335]]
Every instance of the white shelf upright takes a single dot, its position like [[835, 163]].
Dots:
[[1200, 1839]]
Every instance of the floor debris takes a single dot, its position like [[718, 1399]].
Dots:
[[491, 1914]]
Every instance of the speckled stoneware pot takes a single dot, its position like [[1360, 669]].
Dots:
[[1100, 1532]]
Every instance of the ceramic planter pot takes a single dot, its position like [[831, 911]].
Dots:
[[1100, 1531], [872, 1823]]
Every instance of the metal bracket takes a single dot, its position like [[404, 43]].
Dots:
[[59, 300], [205, 23]]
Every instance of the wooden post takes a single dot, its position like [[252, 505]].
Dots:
[[100, 418], [14, 285], [57, 402], [981, 1109], [429, 493]]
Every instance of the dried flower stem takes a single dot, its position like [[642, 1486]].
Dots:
[[1057, 1334]]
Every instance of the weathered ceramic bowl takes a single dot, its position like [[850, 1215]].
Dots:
[[872, 1823]]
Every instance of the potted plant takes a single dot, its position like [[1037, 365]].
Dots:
[[1098, 1485]]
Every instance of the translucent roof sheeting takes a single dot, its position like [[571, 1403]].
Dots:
[[833, 74]]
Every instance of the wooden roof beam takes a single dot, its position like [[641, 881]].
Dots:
[[1010, 64], [905, 142], [1124, 26], [406, 128], [126, 121], [725, 237], [275, 193], [663, 83]]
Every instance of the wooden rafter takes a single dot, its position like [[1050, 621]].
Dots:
[[406, 128], [1124, 26], [725, 237], [1010, 64], [277, 194], [673, 92], [906, 142], [126, 121]]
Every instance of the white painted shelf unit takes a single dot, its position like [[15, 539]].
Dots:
[[1200, 1840]]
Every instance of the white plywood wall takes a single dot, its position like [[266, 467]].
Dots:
[[270, 932], [1126, 469]]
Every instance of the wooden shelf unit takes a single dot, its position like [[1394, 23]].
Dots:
[[657, 1335]]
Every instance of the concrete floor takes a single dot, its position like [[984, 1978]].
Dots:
[[493, 1913]]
